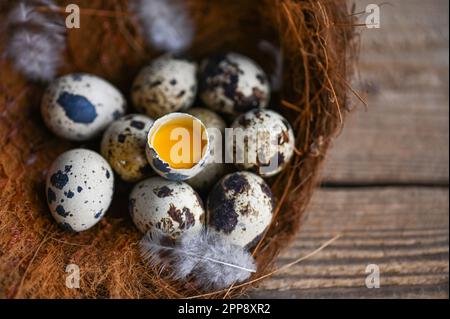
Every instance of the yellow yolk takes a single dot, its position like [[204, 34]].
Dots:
[[179, 143]]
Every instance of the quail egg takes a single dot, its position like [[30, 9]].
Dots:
[[178, 146], [79, 188], [269, 143], [215, 168], [123, 145], [79, 106], [233, 84], [172, 207], [240, 208], [166, 85]]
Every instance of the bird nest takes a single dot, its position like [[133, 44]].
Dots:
[[314, 38]]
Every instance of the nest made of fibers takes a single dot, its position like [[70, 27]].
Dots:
[[315, 37]]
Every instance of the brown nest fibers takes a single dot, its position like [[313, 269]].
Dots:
[[315, 37]]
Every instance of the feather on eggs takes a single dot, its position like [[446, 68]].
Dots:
[[214, 262]]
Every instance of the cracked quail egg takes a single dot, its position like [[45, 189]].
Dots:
[[79, 187], [178, 146], [79, 106], [123, 145], [213, 170], [233, 84], [170, 206], [270, 140], [240, 208], [166, 85]]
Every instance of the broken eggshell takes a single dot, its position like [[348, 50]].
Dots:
[[123, 145], [79, 106], [240, 208], [173, 207], [79, 187], [162, 167]]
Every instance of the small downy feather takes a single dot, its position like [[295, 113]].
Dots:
[[35, 39], [214, 262], [165, 24]]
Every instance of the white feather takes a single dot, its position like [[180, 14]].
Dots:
[[35, 40], [165, 24], [214, 262]]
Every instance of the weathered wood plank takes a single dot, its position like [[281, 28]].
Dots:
[[403, 137], [413, 292], [402, 230]]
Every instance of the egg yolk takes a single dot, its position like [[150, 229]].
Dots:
[[180, 143]]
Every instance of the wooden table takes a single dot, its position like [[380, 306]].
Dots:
[[386, 179]]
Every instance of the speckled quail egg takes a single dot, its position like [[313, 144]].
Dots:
[[123, 145], [233, 84], [172, 207], [79, 186], [79, 106], [240, 208], [270, 144], [166, 85], [213, 170]]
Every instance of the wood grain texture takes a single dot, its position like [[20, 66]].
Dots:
[[403, 137], [402, 230]]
